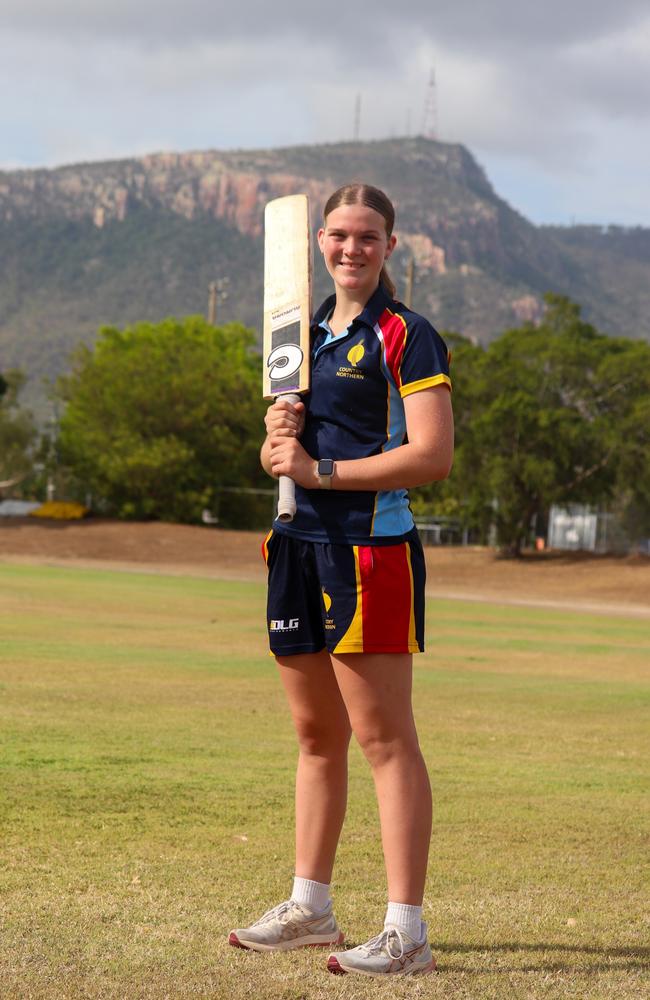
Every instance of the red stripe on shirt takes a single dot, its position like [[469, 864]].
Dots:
[[393, 329]]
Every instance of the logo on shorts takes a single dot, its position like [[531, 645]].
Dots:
[[284, 624], [327, 601]]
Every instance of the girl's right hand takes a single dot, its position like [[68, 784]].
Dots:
[[285, 419]]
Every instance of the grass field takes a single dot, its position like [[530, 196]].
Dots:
[[146, 764]]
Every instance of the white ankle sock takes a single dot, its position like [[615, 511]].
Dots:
[[314, 895], [407, 918]]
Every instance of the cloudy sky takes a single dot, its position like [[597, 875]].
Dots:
[[552, 97]]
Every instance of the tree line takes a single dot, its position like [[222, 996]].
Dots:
[[165, 421]]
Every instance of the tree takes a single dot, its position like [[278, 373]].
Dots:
[[17, 432], [536, 436], [628, 379], [546, 414], [447, 498], [159, 416]]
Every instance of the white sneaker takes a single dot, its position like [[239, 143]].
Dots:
[[289, 925], [391, 953]]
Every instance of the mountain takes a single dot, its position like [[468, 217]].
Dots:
[[116, 242]]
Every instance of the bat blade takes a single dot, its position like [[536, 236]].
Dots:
[[287, 311], [287, 295]]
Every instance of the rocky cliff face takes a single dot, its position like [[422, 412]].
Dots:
[[142, 238], [439, 228], [187, 184]]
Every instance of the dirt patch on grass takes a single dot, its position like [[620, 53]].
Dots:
[[556, 579]]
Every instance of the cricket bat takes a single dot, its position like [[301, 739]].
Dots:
[[287, 311]]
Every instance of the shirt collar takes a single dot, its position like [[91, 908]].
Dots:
[[375, 306]]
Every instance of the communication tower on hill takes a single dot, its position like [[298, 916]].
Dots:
[[357, 118], [430, 115]]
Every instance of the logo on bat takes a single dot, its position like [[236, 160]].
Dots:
[[284, 361]]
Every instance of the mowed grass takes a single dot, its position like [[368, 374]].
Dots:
[[146, 770]]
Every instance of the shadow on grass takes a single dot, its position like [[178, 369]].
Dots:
[[626, 959]]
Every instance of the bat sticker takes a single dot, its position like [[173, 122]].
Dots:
[[284, 361]]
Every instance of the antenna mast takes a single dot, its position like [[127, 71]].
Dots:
[[430, 116]]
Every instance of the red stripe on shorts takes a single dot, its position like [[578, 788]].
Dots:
[[386, 597]]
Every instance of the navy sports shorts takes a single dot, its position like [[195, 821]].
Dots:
[[346, 598]]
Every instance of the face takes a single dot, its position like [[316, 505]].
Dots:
[[355, 246]]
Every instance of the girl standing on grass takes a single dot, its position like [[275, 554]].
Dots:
[[346, 583]]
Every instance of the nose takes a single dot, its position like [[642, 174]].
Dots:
[[351, 246]]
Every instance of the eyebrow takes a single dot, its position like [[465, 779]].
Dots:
[[342, 229]]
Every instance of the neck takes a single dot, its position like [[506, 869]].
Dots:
[[348, 306]]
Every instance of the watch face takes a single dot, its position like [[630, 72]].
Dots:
[[325, 467]]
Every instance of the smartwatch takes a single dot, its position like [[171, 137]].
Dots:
[[325, 473]]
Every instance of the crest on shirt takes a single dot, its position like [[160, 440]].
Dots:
[[354, 356], [355, 353]]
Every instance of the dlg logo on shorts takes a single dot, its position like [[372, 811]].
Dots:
[[280, 625]]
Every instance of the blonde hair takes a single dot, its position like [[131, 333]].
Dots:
[[371, 197]]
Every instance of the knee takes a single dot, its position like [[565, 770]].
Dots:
[[318, 739], [380, 748]]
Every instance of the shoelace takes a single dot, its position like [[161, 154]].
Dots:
[[276, 911], [376, 944]]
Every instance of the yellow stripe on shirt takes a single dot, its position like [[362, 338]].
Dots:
[[425, 383]]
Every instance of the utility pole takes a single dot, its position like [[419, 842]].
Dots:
[[217, 293], [408, 284], [212, 303]]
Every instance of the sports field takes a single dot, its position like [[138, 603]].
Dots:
[[146, 764]]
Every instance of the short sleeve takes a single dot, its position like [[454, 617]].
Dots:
[[425, 359]]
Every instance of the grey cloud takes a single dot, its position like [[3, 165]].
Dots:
[[541, 85], [471, 24]]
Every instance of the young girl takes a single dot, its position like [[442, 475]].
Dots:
[[346, 583]]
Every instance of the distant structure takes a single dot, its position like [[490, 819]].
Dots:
[[580, 527], [217, 293], [430, 115], [357, 118]]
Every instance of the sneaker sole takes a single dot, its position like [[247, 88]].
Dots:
[[313, 941], [335, 967]]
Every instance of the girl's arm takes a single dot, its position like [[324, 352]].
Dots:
[[427, 456]]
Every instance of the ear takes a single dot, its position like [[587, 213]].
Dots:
[[319, 237], [390, 246]]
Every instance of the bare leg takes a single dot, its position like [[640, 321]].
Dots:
[[323, 729], [376, 689]]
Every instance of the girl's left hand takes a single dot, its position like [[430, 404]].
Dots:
[[289, 458]]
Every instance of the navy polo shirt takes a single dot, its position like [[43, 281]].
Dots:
[[355, 409]]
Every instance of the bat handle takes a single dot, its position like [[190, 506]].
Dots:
[[287, 487]]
